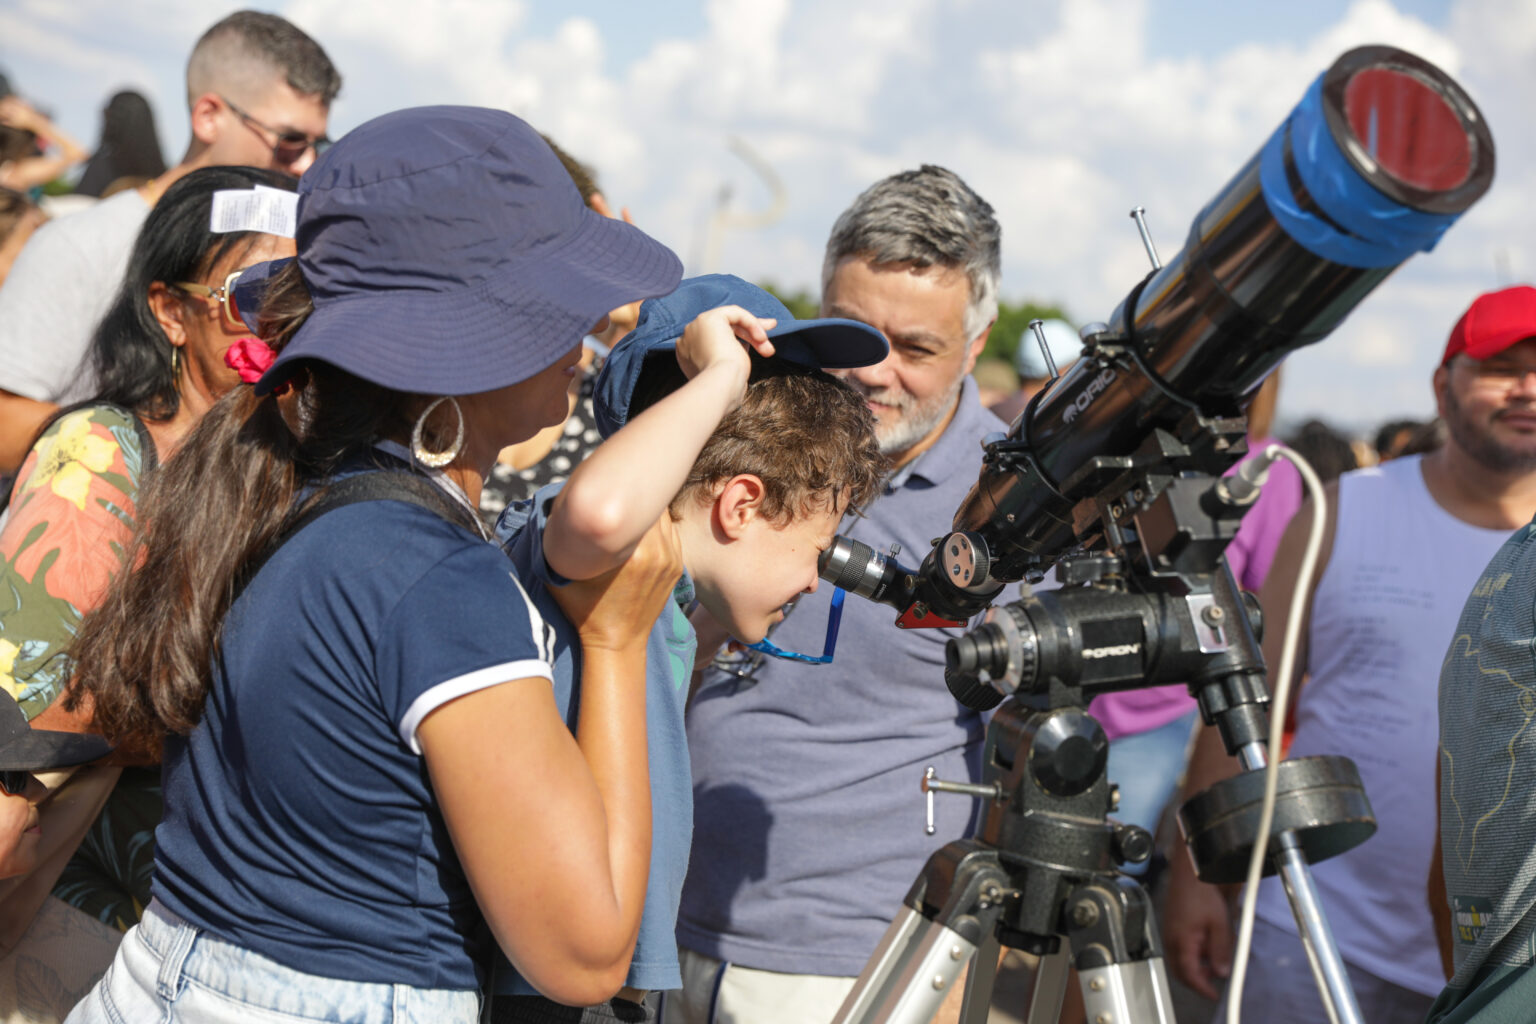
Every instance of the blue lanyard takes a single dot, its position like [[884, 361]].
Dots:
[[834, 619]]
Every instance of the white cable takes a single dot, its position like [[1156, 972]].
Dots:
[[1277, 710]]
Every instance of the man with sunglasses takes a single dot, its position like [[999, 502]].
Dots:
[[259, 92], [808, 819]]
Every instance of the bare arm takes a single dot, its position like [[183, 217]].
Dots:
[[1197, 927], [26, 172], [554, 830], [619, 490], [20, 420]]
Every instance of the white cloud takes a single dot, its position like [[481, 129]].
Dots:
[[452, 37], [1058, 111]]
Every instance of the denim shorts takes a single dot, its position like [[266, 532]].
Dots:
[[170, 972]]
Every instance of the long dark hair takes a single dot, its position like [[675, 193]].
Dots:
[[144, 657], [130, 354], [129, 146]]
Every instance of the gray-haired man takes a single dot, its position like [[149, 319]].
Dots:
[[808, 820], [259, 93]]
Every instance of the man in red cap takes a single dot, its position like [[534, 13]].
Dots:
[[1403, 545]]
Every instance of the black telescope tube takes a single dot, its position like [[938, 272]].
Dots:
[[1381, 156]]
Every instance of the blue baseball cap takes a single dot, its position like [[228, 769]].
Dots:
[[449, 253], [825, 344]]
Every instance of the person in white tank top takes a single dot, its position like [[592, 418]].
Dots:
[[1403, 546]]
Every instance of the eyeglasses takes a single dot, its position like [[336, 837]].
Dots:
[[15, 782], [225, 294], [834, 619], [290, 146]]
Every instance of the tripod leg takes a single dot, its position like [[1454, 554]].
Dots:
[[1050, 987], [1113, 938], [980, 982], [1136, 991], [913, 969]]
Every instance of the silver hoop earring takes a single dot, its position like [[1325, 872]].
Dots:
[[419, 450]]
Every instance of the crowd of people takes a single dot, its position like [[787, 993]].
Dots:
[[414, 623]]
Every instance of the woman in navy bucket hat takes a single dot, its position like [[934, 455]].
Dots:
[[367, 781]]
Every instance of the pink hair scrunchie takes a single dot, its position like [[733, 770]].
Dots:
[[250, 358]]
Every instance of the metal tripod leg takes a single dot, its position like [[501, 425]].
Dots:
[[1050, 988], [1135, 992], [952, 908], [980, 982], [1115, 945], [912, 971]]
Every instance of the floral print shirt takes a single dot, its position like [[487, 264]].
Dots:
[[63, 539]]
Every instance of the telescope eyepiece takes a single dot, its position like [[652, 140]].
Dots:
[[860, 569], [993, 660]]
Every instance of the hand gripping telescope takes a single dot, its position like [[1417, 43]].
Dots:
[[1113, 476]]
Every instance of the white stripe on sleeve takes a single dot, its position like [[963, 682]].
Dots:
[[480, 679]]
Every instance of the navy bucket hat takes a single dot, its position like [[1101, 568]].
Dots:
[[825, 344], [449, 253]]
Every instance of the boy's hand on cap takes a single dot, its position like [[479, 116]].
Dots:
[[715, 338]]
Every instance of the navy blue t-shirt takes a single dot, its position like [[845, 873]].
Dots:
[[300, 821]]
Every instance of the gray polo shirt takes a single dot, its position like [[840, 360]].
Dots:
[[808, 819]]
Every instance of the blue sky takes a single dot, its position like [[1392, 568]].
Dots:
[[1063, 114]]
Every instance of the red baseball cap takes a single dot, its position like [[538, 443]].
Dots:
[[1494, 321]]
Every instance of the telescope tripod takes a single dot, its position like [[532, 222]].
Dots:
[[1043, 880], [1041, 876]]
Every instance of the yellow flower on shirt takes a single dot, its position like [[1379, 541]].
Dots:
[[67, 459], [8, 652]]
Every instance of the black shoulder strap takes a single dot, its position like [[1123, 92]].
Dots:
[[147, 451], [373, 485]]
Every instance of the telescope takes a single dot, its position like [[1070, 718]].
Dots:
[[1381, 156], [1113, 477]]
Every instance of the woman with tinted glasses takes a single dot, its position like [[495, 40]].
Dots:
[[159, 357]]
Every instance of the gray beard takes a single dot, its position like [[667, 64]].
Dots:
[[917, 420]]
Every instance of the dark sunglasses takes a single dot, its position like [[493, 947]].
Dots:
[[288, 147]]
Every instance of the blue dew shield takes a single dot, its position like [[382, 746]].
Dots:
[[1376, 162]]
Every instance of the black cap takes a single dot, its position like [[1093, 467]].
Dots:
[[25, 749]]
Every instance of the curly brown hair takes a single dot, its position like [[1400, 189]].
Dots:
[[808, 436]]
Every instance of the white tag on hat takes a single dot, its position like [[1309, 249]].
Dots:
[[270, 210]]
